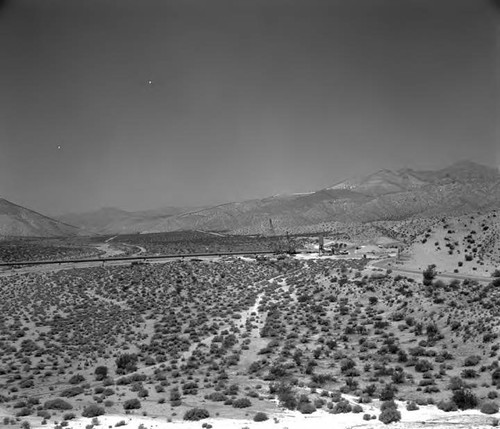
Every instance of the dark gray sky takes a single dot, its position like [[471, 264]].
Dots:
[[248, 98]]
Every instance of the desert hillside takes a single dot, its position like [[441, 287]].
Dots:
[[17, 221], [110, 220], [384, 196], [468, 244]]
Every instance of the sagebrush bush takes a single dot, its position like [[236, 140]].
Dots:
[[387, 393], [143, 393], [456, 383], [342, 407], [93, 410], [216, 397], [412, 406], [72, 391], [23, 412], [20, 404], [44, 414], [469, 373], [195, 414], [242, 403], [57, 404], [132, 404], [489, 408], [357, 408], [464, 398], [388, 404], [495, 377], [472, 360], [101, 372], [76, 379], [126, 363], [423, 365], [389, 415], [306, 408], [286, 396], [447, 406], [260, 417], [336, 396]]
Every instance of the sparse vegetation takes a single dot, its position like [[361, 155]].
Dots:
[[260, 417], [229, 335], [196, 414], [93, 410]]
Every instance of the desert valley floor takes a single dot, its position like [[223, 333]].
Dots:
[[264, 341]]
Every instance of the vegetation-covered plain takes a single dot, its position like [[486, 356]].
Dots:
[[185, 242], [239, 337], [46, 249]]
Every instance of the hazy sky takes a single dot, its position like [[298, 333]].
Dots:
[[248, 98]]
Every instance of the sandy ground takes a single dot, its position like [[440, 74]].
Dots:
[[111, 251], [426, 416], [108, 250]]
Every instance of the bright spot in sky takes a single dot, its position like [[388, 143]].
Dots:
[[59, 147], [150, 82]]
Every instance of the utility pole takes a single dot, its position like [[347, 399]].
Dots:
[[321, 242], [271, 227]]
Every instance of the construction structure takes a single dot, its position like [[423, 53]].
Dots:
[[272, 232], [282, 244]]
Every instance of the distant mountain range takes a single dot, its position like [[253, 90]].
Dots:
[[384, 195]]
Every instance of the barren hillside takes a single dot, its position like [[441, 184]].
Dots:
[[467, 244], [17, 221]]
